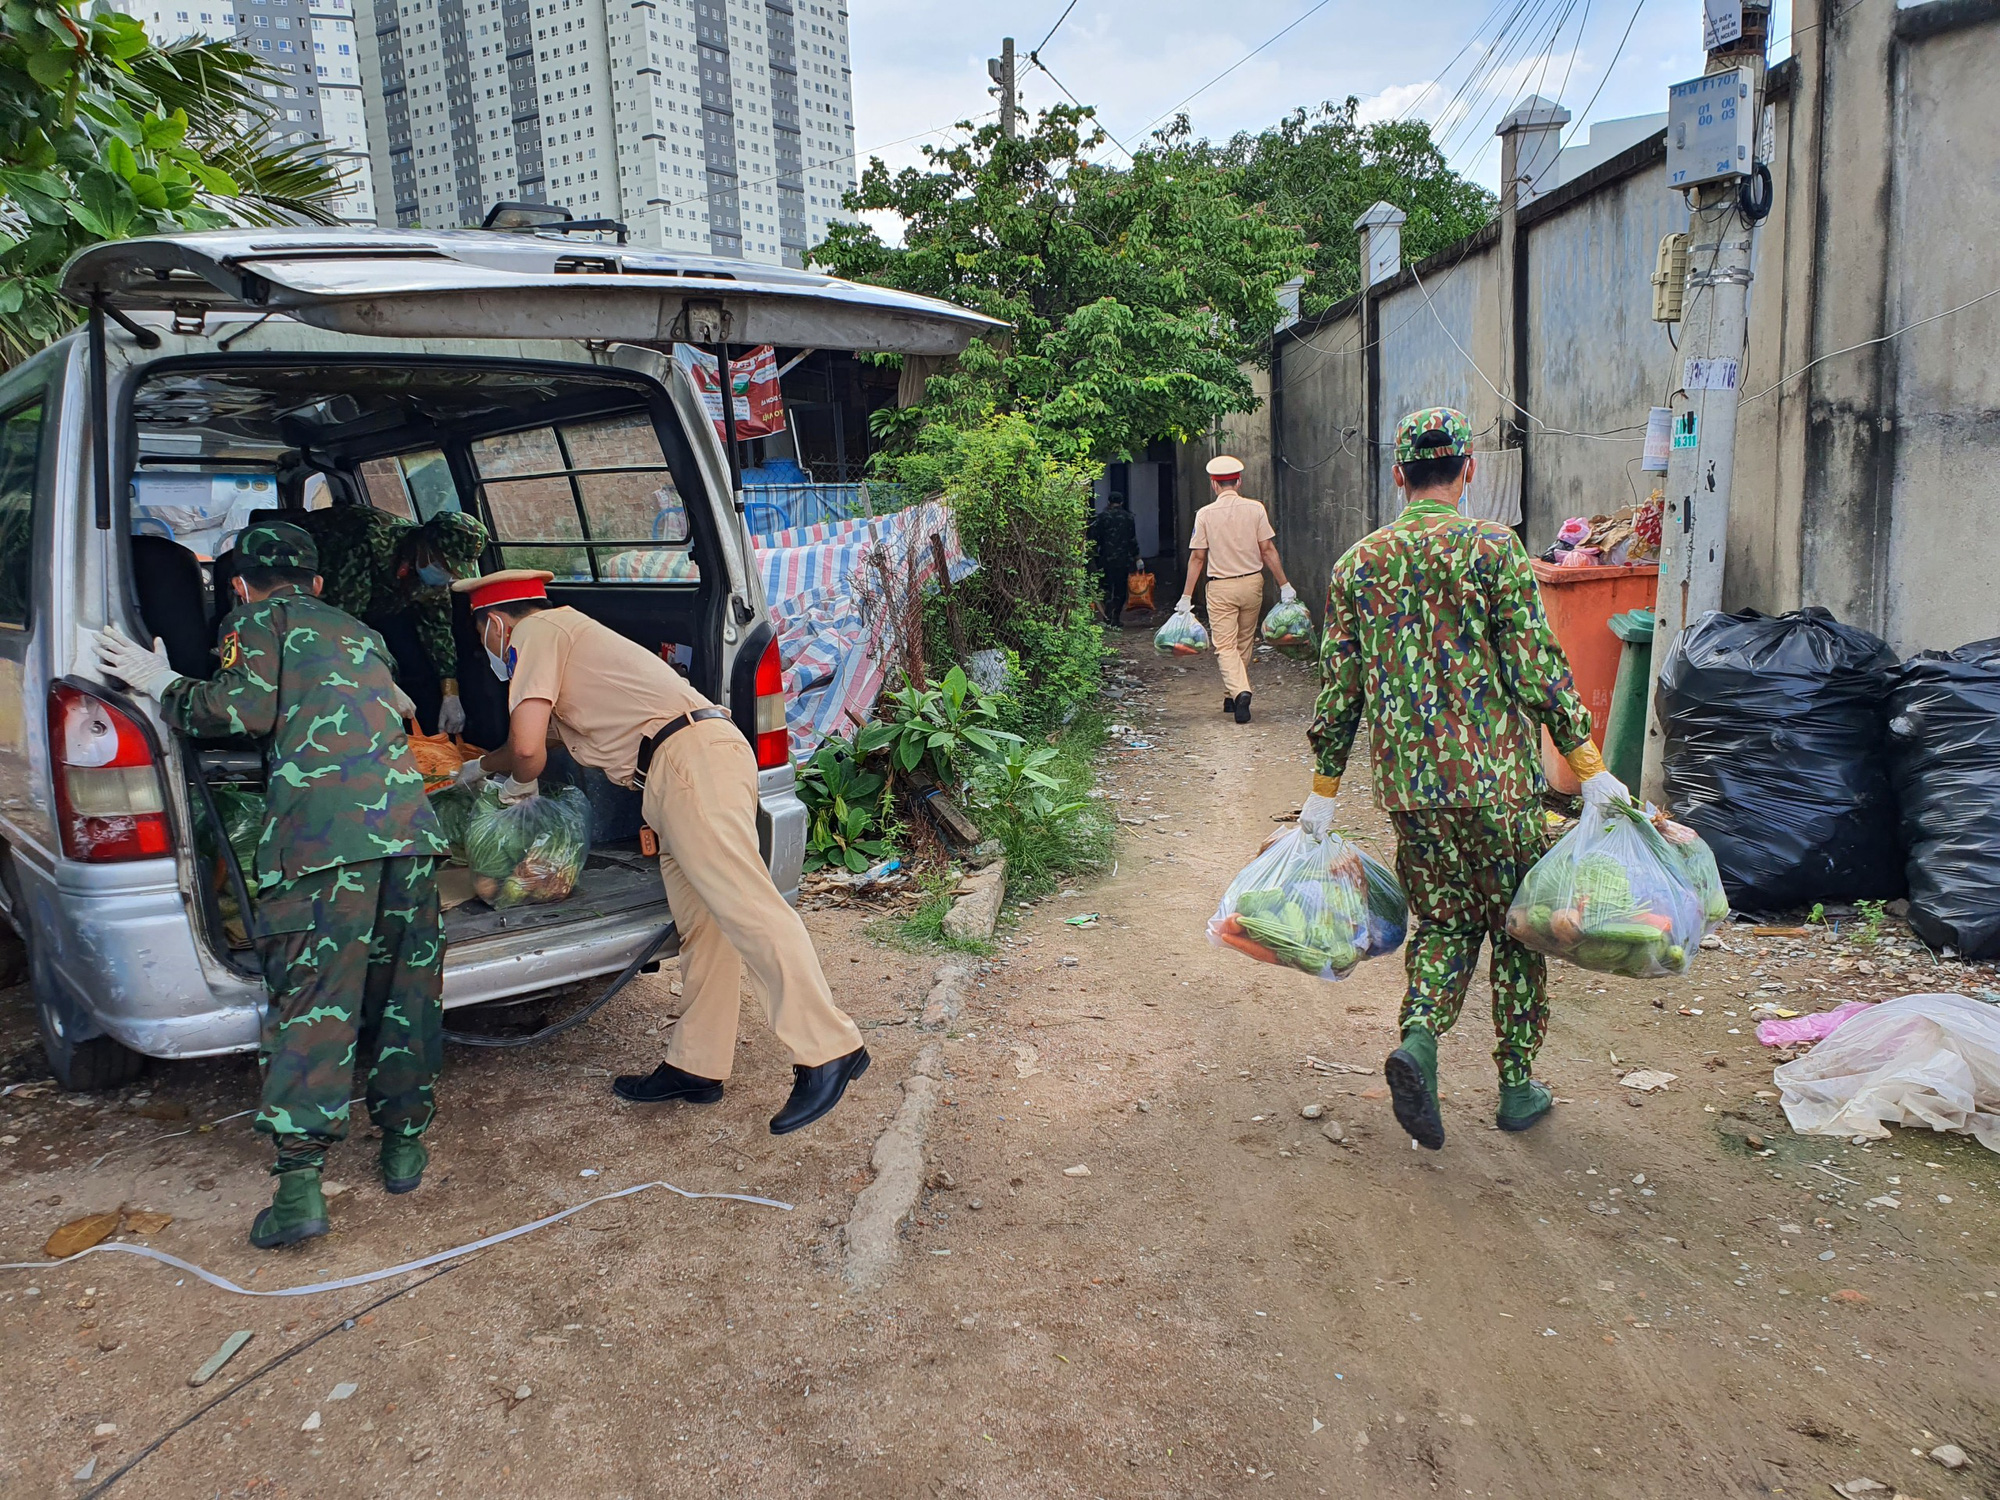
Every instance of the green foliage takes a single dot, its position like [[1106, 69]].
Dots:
[[938, 727], [1022, 511], [104, 136], [1322, 169], [1874, 916], [845, 804], [1037, 804], [1137, 295], [923, 929]]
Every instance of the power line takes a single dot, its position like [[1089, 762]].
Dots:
[[1319, 6], [815, 166], [1585, 114], [1870, 343], [1051, 32], [1076, 101]]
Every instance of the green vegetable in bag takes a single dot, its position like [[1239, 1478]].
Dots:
[[1288, 628], [1319, 905], [453, 806], [533, 851]]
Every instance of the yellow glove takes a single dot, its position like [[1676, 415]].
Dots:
[[1585, 760], [1325, 786], [1600, 788]]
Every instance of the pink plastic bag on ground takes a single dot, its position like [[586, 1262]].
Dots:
[[1813, 1028], [1916, 1060]]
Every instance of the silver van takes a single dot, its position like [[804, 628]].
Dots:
[[527, 378]]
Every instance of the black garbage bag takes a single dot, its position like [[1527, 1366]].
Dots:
[[1944, 755], [1775, 755]]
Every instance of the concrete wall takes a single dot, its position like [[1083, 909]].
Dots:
[[1867, 448], [1590, 315]]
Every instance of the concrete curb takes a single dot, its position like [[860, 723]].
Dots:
[[947, 996], [977, 909], [872, 1241]]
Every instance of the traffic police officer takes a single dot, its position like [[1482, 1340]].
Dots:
[[346, 899], [1434, 624], [620, 708], [1233, 540]]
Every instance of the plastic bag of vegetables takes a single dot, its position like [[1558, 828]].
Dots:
[[1615, 896], [1182, 635], [1288, 628], [453, 806], [533, 851], [1319, 905]]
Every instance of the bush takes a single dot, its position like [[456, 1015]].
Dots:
[[1036, 802], [1022, 513]]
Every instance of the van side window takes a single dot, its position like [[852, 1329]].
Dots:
[[20, 469], [590, 499], [414, 487]]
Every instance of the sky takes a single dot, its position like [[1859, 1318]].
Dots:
[[920, 66]]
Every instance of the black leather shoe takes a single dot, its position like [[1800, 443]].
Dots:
[[1242, 708], [1228, 704], [666, 1084], [817, 1090]]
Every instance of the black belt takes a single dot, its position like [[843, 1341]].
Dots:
[[666, 731]]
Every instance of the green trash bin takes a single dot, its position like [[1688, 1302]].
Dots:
[[1625, 734]]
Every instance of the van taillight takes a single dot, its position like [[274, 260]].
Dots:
[[774, 741], [109, 805]]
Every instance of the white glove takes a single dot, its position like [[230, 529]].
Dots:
[[1185, 607], [1316, 817], [1288, 595], [402, 703], [512, 791], [1603, 790], [451, 715], [144, 671], [472, 774]]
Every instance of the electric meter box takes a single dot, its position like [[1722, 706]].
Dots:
[[1711, 129]]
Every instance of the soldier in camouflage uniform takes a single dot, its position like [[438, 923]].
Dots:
[[1435, 628], [378, 568], [347, 903]]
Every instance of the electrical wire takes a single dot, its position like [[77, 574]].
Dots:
[[815, 166], [1870, 343], [1076, 101], [1312, 11], [1608, 68], [1051, 32]]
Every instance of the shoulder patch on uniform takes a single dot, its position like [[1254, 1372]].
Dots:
[[232, 650]]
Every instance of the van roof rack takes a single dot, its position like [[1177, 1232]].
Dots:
[[547, 218]]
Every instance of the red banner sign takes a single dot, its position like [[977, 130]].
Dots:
[[760, 408]]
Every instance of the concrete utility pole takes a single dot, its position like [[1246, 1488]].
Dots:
[[1001, 70], [1712, 130]]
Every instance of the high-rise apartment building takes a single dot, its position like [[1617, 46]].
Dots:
[[723, 126], [312, 45]]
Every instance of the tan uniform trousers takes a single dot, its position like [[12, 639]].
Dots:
[[1234, 607], [701, 799]]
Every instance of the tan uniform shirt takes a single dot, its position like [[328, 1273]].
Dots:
[[608, 692], [1230, 527]]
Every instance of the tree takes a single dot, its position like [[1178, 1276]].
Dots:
[[1137, 295], [104, 136], [1322, 169]]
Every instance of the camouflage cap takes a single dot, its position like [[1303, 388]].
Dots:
[[458, 538], [1433, 419], [277, 544]]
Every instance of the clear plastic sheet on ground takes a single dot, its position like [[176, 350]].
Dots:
[[1316, 904], [1616, 896], [1181, 635], [1288, 629], [533, 851], [1931, 1060]]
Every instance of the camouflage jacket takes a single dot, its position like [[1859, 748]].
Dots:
[[1435, 624], [357, 559], [313, 684], [1116, 536]]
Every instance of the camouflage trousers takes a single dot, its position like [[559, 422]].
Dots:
[[1460, 867], [354, 961]]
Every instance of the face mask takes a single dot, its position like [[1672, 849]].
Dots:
[[433, 576], [503, 667]]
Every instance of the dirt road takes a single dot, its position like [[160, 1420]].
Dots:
[[1679, 1298]]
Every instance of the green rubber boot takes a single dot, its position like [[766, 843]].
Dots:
[[404, 1158], [1412, 1075], [1523, 1105], [297, 1211]]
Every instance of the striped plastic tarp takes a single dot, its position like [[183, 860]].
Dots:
[[817, 580]]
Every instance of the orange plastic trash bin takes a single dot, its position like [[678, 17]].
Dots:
[[1580, 603]]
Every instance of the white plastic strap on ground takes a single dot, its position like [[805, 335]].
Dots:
[[147, 1251]]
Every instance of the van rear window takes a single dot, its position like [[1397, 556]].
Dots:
[[590, 500]]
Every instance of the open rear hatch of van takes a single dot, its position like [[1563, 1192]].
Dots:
[[609, 477]]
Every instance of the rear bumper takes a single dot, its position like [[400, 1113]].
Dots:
[[124, 949]]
